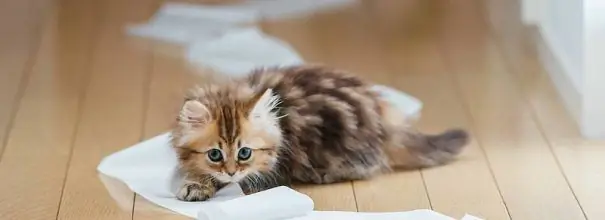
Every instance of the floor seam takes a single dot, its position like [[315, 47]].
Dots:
[[146, 101], [471, 123], [509, 67], [23, 84], [87, 80]]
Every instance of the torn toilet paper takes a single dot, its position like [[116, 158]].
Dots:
[[226, 38], [241, 50], [147, 168], [184, 23], [268, 205]]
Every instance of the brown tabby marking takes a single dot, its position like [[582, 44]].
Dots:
[[307, 124]]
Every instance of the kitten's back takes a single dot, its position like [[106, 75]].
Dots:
[[336, 125]]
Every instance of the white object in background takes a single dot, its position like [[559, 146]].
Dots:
[[261, 9], [180, 30], [408, 105], [273, 204], [593, 95], [184, 24], [570, 47], [187, 24], [232, 13], [240, 51]]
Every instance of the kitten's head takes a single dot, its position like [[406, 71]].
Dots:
[[228, 132]]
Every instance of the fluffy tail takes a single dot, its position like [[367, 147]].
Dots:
[[417, 150]]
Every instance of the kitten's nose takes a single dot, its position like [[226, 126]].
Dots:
[[231, 173]]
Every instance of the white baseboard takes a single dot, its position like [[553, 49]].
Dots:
[[558, 73]]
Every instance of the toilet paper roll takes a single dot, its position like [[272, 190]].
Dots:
[[238, 52], [273, 204]]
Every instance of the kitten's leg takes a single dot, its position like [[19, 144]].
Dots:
[[198, 188], [261, 182], [355, 171]]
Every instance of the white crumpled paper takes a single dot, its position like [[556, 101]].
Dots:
[[147, 168], [225, 39], [184, 23], [240, 50]]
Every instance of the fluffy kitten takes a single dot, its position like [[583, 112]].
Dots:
[[308, 124]]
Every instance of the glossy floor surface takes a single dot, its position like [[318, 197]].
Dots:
[[74, 88]]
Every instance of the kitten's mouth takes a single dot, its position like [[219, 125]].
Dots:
[[236, 178]]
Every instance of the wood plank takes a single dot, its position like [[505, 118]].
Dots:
[[580, 159], [417, 58], [21, 22], [525, 169], [300, 33], [113, 112], [170, 80], [470, 186], [36, 156], [582, 163]]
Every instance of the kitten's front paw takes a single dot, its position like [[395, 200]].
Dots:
[[192, 192]]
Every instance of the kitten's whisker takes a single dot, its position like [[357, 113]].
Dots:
[[281, 116]]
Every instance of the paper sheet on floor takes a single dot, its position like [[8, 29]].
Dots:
[[226, 39], [184, 23], [147, 168]]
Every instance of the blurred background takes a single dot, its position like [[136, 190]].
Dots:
[[524, 76]]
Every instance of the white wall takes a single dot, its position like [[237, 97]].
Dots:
[[593, 108], [561, 25], [573, 34]]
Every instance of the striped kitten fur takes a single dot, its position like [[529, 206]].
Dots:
[[307, 124]]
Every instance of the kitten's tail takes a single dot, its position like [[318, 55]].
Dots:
[[415, 150]]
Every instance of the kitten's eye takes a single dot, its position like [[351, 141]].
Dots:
[[215, 155], [244, 153]]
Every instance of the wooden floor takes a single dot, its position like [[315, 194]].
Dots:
[[74, 89]]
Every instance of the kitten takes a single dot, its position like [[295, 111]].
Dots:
[[308, 124]]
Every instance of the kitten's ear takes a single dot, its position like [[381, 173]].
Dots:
[[264, 116], [262, 107], [194, 114]]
